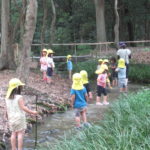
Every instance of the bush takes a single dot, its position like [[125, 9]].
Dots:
[[90, 66], [125, 127], [139, 73]]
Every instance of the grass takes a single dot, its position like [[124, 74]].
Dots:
[[139, 73], [124, 127]]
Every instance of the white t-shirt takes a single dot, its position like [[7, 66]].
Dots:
[[124, 53], [50, 62]]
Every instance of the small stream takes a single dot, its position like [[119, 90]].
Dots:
[[57, 124]]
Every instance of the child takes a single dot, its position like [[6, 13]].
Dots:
[[121, 69], [78, 100], [113, 66], [50, 65], [100, 61], [101, 86], [86, 84], [16, 112], [43, 62], [69, 66]]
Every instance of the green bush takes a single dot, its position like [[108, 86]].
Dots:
[[90, 66], [139, 73], [125, 127]]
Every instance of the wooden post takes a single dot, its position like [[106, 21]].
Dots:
[[75, 51]]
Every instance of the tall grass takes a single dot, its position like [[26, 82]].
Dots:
[[139, 73], [124, 127]]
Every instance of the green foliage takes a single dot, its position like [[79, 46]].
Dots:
[[124, 127], [90, 66], [139, 73]]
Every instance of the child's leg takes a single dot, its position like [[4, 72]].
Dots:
[[49, 79], [20, 139], [70, 74], [13, 140], [77, 118], [44, 76], [98, 98], [83, 115]]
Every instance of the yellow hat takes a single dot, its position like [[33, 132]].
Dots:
[[13, 83], [77, 82], [84, 76], [121, 63], [104, 66], [105, 61], [100, 71], [50, 51], [100, 60], [44, 50], [69, 56]]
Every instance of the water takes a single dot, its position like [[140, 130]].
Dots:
[[57, 124]]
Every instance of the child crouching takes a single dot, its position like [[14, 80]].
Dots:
[[78, 100]]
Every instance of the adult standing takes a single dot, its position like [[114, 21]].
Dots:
[[124, 53]]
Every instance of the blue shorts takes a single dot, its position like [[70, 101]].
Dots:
[[122, 83], [79, 110], [49, 72]]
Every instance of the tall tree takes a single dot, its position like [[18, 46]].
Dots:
[[43, 23], [7, 54], [100, 20], [52, 29], [30, 24], [116, 27]]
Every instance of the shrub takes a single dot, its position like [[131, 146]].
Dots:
[[139, 73]]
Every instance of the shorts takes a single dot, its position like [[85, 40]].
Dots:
[[79, 110], [101, 90], [122, 83], [49, 72]]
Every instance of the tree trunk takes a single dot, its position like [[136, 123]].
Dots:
[[100, 20], [116, 27], [44, 23], [30, 24], [52, 29], [7, 54]]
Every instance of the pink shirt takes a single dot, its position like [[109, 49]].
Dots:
[[101, 80], [43, 61]]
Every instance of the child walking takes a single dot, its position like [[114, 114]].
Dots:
[[86, 84], [101, 87], [121, 69], [69, 65], [16, 113], [113, 66], [78, 100], [43, 62], [50, 65]]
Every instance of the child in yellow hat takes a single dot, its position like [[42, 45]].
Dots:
[[84, 76], [16, 112], [50, 65], [69, 65], [79, 99], [121, 69], [102, 80], [100, 61], [43, 62]]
